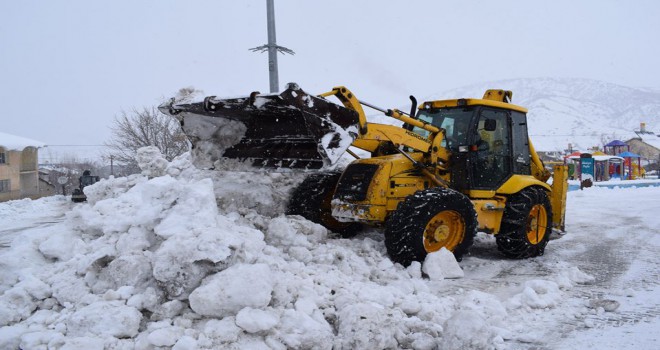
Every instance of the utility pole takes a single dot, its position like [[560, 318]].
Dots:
[[272, 47]]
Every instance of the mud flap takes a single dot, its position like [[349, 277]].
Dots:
[[291, 130]]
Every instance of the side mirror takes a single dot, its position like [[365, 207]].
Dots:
[[490, 125]]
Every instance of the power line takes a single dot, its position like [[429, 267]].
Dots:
[[76, 146]]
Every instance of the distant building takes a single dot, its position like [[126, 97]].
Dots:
[[19, 173], [645, 143]]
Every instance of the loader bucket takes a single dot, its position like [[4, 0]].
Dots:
[[292, 130]]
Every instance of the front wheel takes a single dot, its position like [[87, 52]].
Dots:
[[526, 224], [428, 221], [311, 200]]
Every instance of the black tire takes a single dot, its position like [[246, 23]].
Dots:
[[526, 224], [420, 220], [311, 200]]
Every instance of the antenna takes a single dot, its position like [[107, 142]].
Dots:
[[272, 48]]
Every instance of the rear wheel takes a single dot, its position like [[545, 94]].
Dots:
[[428, 221], [311, 200], [526, 224]]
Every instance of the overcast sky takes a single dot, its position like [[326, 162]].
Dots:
[[67, 68]]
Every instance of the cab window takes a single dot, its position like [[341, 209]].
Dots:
[[455, 122]]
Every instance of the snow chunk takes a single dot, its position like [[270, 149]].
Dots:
[[224, 330], [442, 264], [105, 318], [254, 320], [369, 326], [127, 270], [86, 343], [486, 305], [10, 336], [299, 330], [213, 136], [15, 305], [61, 246], [19, 302], [68, 287], [185, 343], [466, 329], [40, 340], [251, 286], [166, 336], [608, 305], [294, 231], [568, 277], [538, 294], [151, 161]]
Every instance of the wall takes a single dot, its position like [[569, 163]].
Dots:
[[10, 170], [21, 169], [643, 149]]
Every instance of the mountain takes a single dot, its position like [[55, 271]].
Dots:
[[582, 112]]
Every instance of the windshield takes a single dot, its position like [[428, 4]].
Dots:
[[456, 122]]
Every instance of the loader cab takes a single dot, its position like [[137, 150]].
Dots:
[[488, 144]]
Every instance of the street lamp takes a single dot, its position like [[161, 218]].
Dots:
[[272, 48]]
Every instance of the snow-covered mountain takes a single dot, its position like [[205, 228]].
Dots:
[[582, 112]]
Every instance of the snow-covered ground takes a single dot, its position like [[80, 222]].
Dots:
[[188, 259]]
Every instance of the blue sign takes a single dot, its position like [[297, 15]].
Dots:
[[586, 169]]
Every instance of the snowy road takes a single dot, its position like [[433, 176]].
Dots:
[[607, 238], [27, 215]]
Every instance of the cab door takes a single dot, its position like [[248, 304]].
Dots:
[[491, 150]]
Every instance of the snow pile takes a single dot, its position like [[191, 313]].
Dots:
[[190, 259]]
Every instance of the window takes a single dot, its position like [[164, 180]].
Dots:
[[521, 156], [493, 161], [455, 121], [5, 186], [3, 160]]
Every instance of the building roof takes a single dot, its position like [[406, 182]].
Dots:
[[652, 140], [648, 137], [17, 143]]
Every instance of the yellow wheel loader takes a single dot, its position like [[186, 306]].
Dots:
[[453, 168]]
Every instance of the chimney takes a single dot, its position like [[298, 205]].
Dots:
[[642, 128]]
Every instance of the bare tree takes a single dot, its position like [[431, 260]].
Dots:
[[147, 127]]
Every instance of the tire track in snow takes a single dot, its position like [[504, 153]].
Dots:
[[618, 262]]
